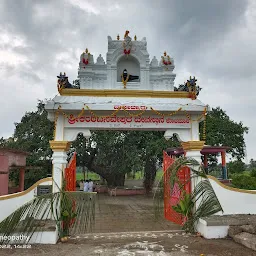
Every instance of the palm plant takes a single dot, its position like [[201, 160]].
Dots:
[[70, 212], [201, 202]]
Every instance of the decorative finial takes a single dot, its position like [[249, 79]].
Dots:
[[164, 53], [86, 50], [135, 38], [118, 37]]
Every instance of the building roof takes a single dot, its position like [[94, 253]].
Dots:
[[109, 103], [206, 150], [15, 151]]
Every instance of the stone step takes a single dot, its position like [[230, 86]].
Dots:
[[249, 229], [234, 230], [246, 239]]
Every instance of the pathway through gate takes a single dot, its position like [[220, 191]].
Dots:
[[173, 196], [128, 214]]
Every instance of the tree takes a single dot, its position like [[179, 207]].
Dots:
[[32, 134], [111, 155], [236, 167], [80, 146], [252, 164], [151, 145], [222, 131]]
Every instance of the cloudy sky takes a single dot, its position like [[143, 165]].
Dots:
[[213, 40]]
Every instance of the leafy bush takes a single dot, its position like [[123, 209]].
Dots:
[[253, 172], [244, 181]]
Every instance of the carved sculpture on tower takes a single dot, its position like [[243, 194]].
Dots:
[[166, 60], [86, 58], [127, 43], [191, 87], [63, 82]]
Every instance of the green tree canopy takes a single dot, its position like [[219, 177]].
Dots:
[[237, 166], [222, 131], [32, 134]]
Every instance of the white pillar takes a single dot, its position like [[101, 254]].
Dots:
[[192, 150], [196, 155], [59, 161]]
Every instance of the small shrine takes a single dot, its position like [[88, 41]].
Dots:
[[11, 159], [206, 151]]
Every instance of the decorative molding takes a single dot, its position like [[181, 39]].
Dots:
[[193, 145], [59, 158], [124, 93], [59, 145], [5, 197]]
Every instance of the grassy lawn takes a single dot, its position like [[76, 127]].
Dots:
[[91, 175]]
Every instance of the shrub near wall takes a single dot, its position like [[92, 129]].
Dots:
[[244, 181]]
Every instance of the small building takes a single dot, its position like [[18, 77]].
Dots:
[[207, 150], [8, 159]]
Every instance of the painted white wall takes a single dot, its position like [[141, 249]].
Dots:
[[9, 205], [234, 202]]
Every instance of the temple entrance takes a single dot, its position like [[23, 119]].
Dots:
[[125, 190], [127, 93]]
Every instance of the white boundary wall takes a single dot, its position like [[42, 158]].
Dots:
[[10, 203], [233, 200]]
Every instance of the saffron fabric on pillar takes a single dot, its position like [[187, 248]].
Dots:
[[70, 174], [173, 197]]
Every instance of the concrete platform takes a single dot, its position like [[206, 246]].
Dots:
[[217, 226]]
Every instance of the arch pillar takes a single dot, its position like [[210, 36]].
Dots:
[[59, 161], [192, 150]]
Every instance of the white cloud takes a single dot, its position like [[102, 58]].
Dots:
[[85, 6]]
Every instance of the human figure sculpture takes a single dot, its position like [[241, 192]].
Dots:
[[130, 78]]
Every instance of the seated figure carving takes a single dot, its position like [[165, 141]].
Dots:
[[127, 77]]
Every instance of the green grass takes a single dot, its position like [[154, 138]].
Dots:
[[91, 175]]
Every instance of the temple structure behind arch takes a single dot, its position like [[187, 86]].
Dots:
[[133, 56]]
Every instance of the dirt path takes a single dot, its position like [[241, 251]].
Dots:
[[128, 214], [136, 244]]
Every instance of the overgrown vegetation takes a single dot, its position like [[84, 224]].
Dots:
[[244, 181], [243, 176]]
